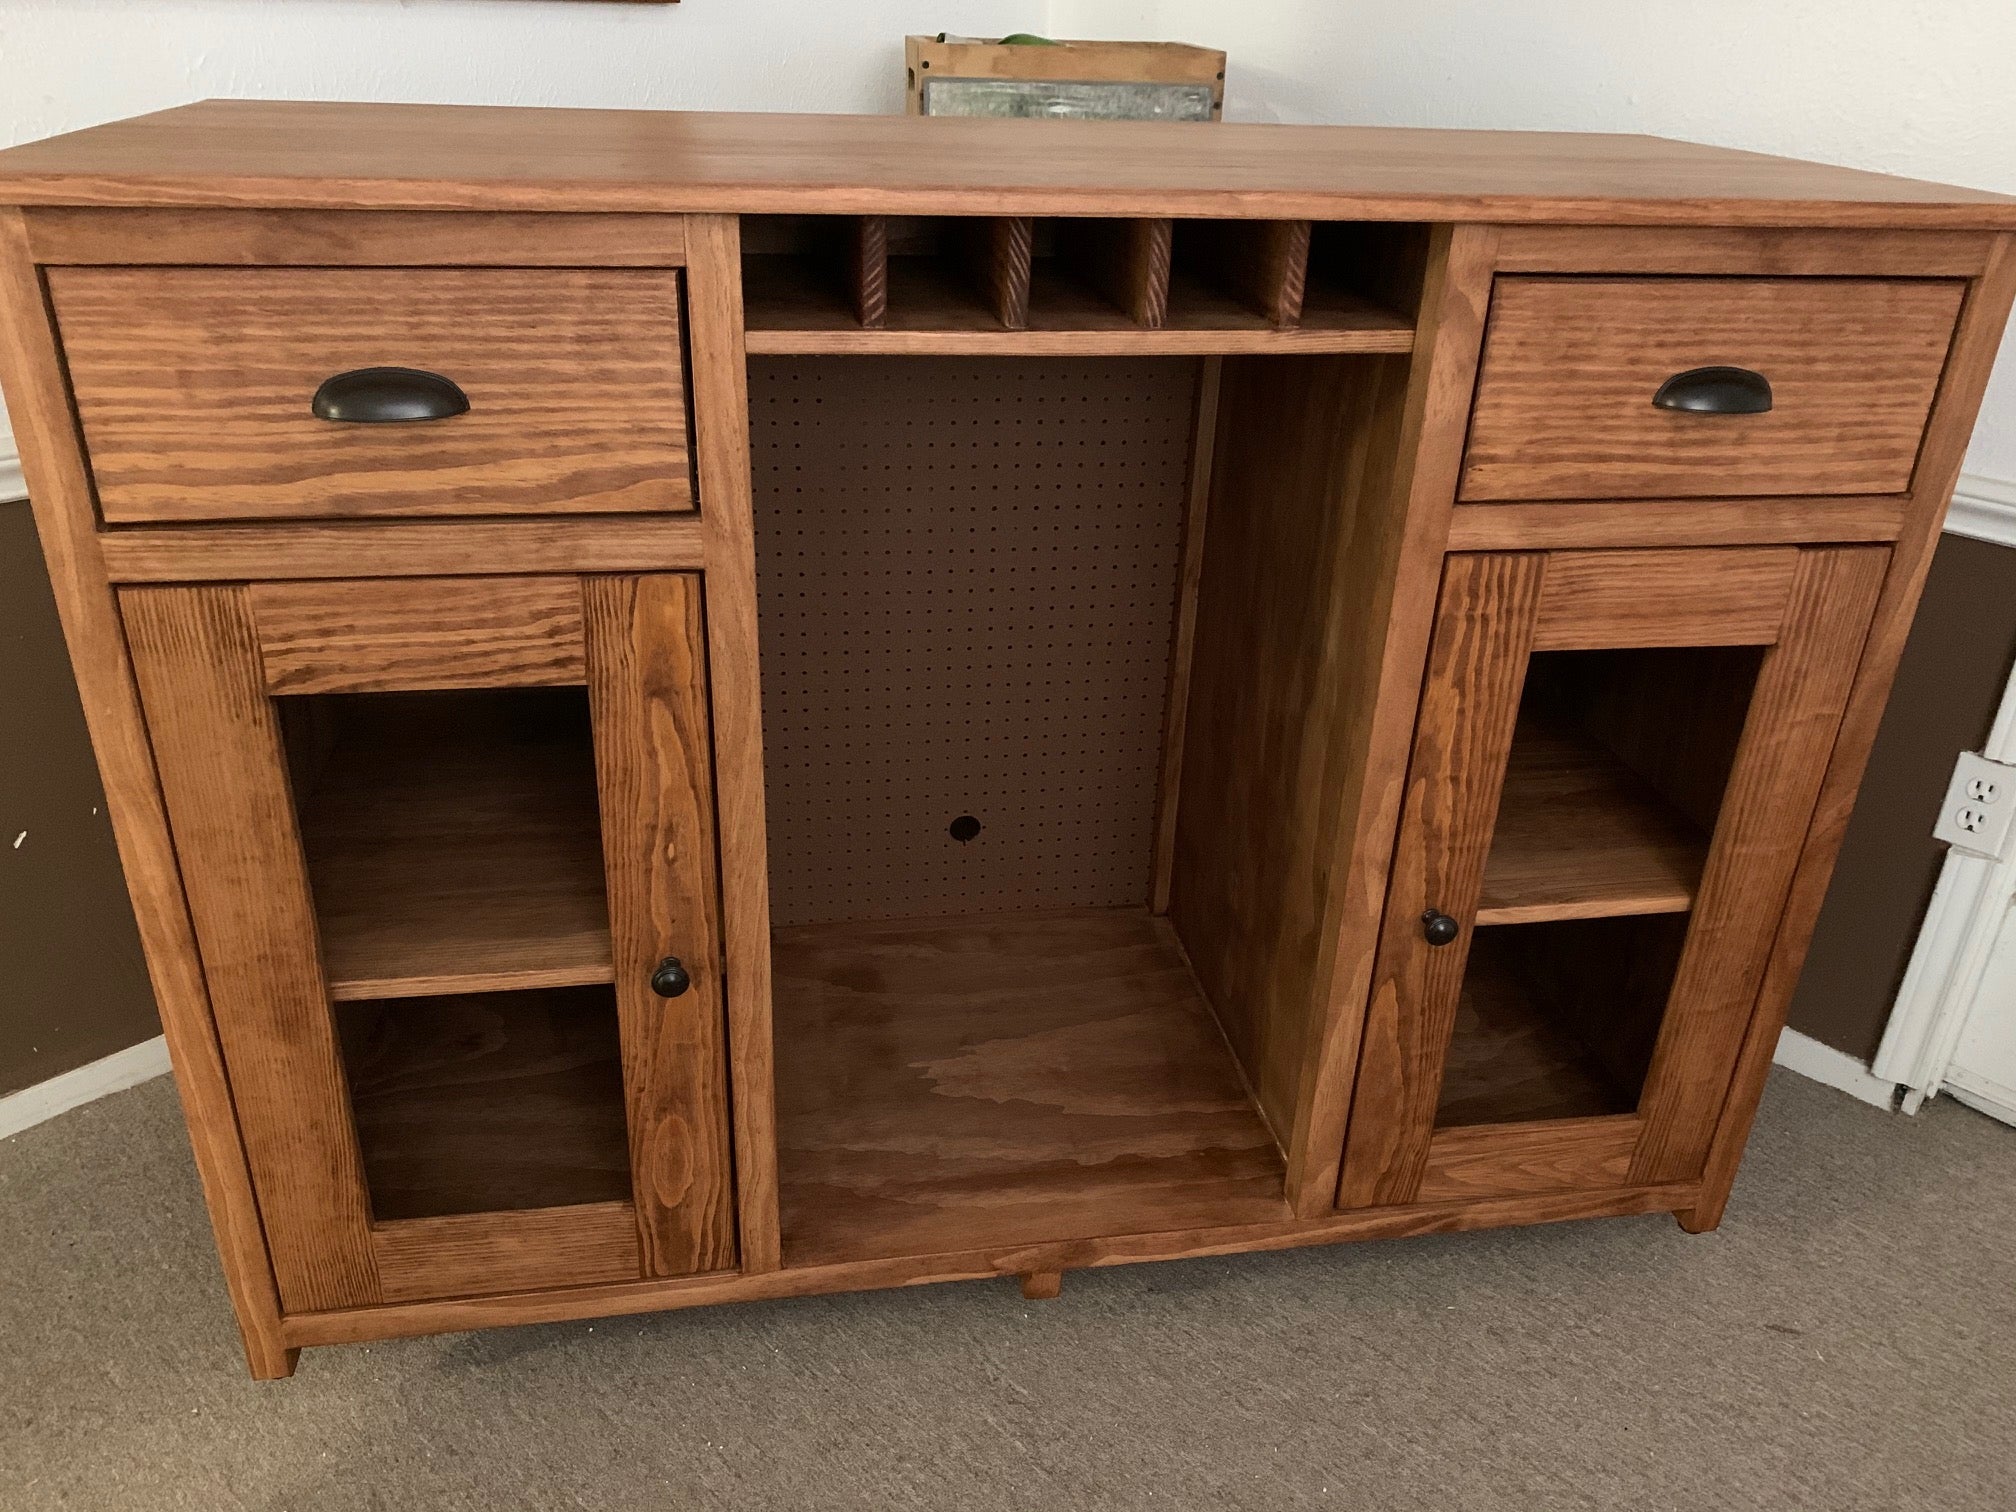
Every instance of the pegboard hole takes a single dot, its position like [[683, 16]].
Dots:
[[964, 828]]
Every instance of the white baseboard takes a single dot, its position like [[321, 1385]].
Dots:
[[1980, 1094], [13, 486], [1834, 1068], [115, 1073], [1984, 509]]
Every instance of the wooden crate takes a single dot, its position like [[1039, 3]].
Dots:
[[1102, 62]]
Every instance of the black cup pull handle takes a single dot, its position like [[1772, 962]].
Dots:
[[388, 395], [671, 979], [1437, 928], [1715, 391]]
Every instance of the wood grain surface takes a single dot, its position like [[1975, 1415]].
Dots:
[[1014, 1079], [721, 457], [647, 683], [223, 773], [347, 1326], [1262, 264], [1183, 634], [933, 307], [1610, 599], [261, 153], [1298, 482], [454, 846], [868, 269], [1469, 703], [1982, 324], [1125, 261], [1387, 616], [1795, 712], [365, 635], [1756, 252], [527, 1249], [1564, 402], [1514, 1055], [362, 239], [1580, 836], [1614, 523], [406, 548], [1557, 1155], [193, 388], [483, 1102]]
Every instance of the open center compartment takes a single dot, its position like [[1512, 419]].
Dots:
[[1047, 645]]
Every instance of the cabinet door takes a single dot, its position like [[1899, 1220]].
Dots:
[[1617, 756], [440, 838]]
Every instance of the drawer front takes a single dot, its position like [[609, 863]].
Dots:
[[195, 385], [1571, 366]]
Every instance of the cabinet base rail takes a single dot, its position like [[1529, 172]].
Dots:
[[359, 1325]]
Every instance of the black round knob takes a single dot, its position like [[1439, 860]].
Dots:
[[671, 978], [1437, 928]]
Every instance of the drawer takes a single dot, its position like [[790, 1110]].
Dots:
[[195, 385], [1571, 367]]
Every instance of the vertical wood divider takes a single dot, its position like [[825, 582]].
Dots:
[[1126, 261], [1189, 571], [1793, 721], [1000, 252], [60, 495], [1421, 494], [647, 686], [720, 390], [224, 775], [868, 270], [1263, 264], [1490, 604]]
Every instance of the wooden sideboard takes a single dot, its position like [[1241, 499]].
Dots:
[[717, 707]]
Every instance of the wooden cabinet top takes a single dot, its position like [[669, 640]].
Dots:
[[225, 153]]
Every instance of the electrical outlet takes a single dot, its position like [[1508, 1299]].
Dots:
[[1979, 807]]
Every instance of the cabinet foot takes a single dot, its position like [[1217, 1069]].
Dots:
[[270, 1364], [1041, 1286], [1700, 1220]]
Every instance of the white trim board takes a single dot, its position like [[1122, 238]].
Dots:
[[1984, 509], [1835, 1068], [13, 487], [101, 1078], [1980, 1094]]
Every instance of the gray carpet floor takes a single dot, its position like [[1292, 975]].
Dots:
[[1847, 1340]]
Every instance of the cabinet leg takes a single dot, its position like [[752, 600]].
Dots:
[[1041, 1286], [1701, 1219], [268, 1361]]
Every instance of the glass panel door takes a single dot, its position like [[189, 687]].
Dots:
[[449, 850], [1615, 763]]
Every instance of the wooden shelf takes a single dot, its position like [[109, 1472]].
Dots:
[[934, 307], [488, 1102], [953, 1083], [1579, 836], [448, 859], [1512, 1061]]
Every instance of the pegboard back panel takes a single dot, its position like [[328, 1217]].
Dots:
[[967, 580]]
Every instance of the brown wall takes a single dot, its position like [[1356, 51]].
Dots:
[[72, 984], [1948, 687]]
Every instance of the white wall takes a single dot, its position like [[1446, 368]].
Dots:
[[1925, 88], [71, 63], [1922, 87]]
